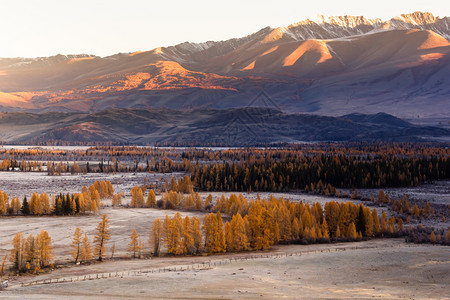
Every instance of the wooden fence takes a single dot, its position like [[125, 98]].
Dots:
[[198, 266]]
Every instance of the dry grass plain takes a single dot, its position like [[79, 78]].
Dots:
[[387, 269], [61, 229]]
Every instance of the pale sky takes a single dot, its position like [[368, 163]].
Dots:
[[33, 28]]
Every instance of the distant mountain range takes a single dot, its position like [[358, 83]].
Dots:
[[331, 66], [225, 127]]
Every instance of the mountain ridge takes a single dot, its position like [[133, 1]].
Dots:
[[346, 64], [231, 127]]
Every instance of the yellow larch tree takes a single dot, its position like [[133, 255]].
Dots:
[[76, 246], [325, 232], [188, 240], [208, 230], [31, 253], [44, 248], [208, 202], [137, 197], [375, 222], [432, 237], [17, 252], [197, 234], [218, 243], [133, 246], [86, 251], [45, 202], [102, 236], [156, 235], [94, 207], [174, 243], [151, 199], [352, 231], [239, 241], [228, 236], [3, 206]]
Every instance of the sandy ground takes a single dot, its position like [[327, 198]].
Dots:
[[387, 269]]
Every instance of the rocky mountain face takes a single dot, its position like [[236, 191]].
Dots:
[[328, 66]]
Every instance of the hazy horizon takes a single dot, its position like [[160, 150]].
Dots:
[[49, 27]]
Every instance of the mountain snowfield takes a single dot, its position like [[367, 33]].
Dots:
[[327, 66]]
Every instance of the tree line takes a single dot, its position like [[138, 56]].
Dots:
[[298, 172], [89, 200]]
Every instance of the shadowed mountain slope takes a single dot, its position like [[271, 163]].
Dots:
[[230, 127]]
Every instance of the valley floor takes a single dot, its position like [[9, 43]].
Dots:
[[379, 268]]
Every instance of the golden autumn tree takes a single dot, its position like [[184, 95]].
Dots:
[[198, 203], [3, 205], [45, 202], [338, 233], [369, 222], [208, 201], [102, 236], [117, 200], [175, 244], [238, 240], [35, 205], [95, 197], [76, 246], [352, 231], [17, 252], [137, 197], [375, 222], [228, 236], [86, 251], [30, 253], [208, 230], [261, 226], [384, 225], [165, 232], [197, 234], [332, 212], [134, 245], [432, 237], [2, 268], [44, 248], [173, 185], [156, 235], [94, 207], [217, 243], [325, 232], [151, 199], [284, 223], [295, 229], [15, 206], [188, 240]]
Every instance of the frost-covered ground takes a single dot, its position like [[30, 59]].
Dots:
[[24, 184], [122, 222], [437, 192], [388, 269], [296, 197], [374, 272]]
